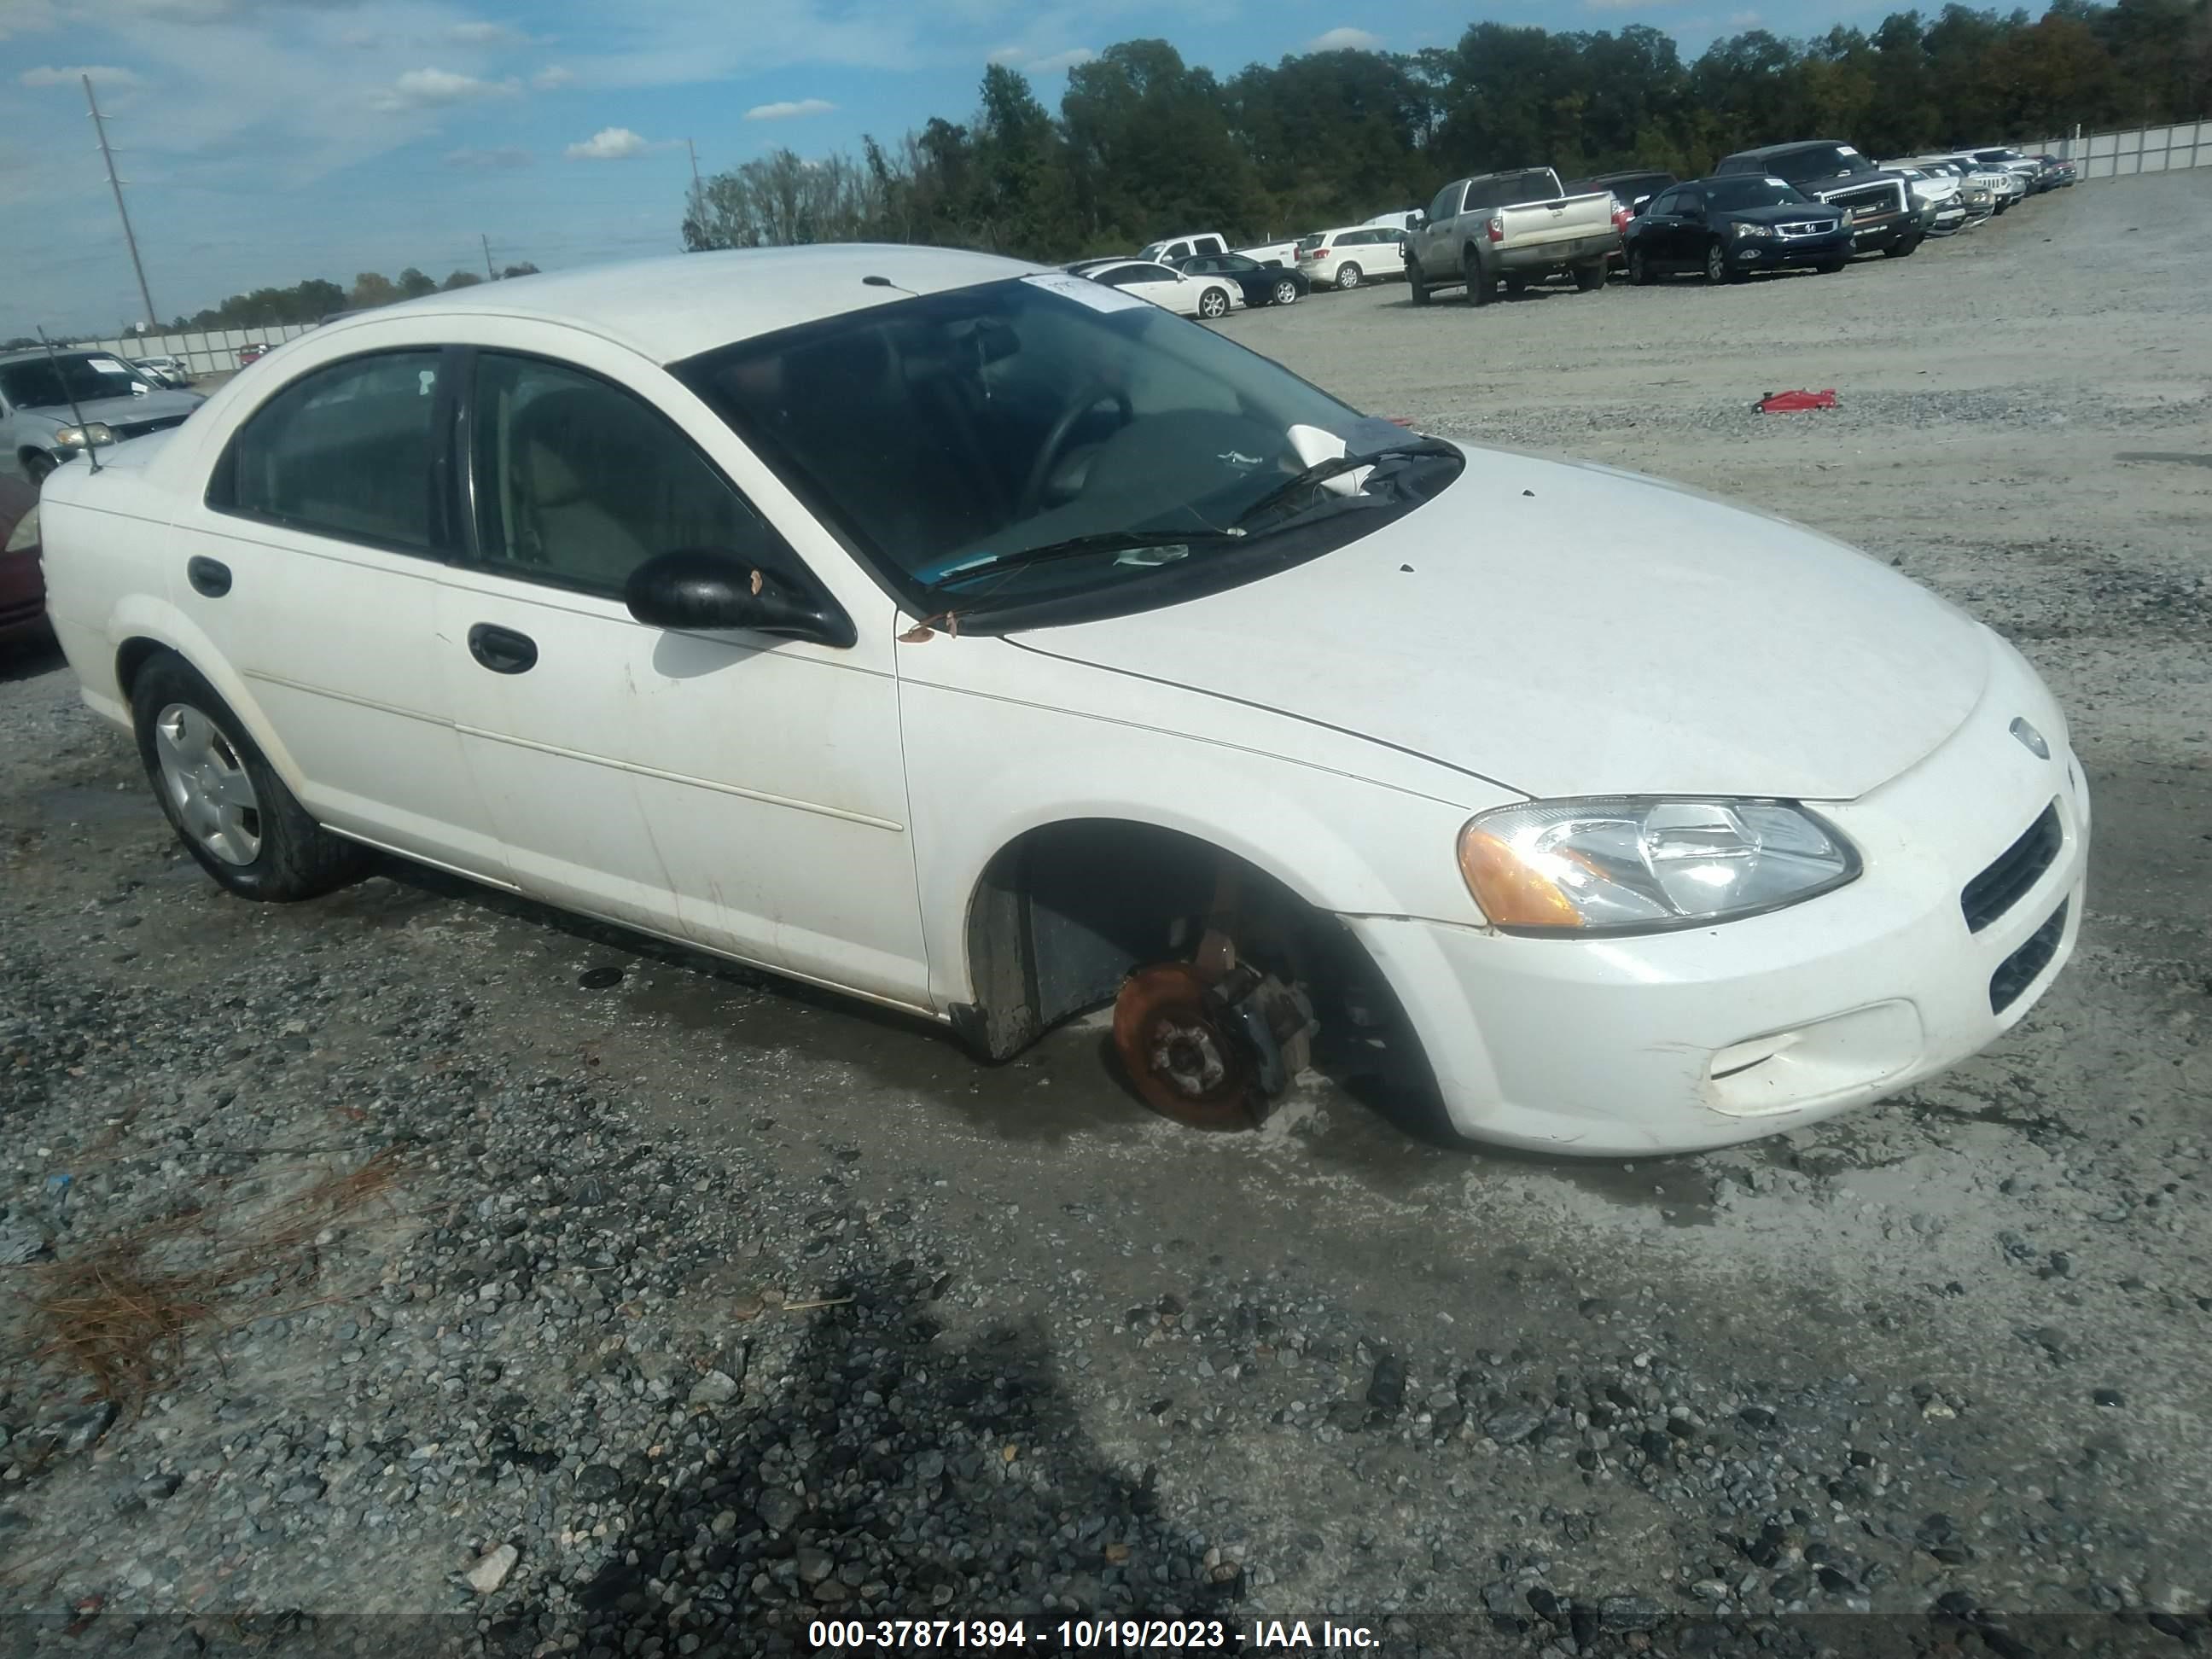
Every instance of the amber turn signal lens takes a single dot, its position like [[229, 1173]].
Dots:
[[1511, 894]]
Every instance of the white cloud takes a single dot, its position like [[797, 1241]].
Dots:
[[786, 111], [613, 144], [1746, 19], [500, 156], [47, 75], [485, 34], [553, 78], [1344, 39], [1055, 61], [428, 89]]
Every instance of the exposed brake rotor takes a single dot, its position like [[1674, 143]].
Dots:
[[1211, 1044]]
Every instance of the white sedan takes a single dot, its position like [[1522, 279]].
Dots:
[[984, 641], [1165, 287]]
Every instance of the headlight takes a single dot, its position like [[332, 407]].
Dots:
[[1636, 864], [92, 432], [1759, 233], [26, 533]]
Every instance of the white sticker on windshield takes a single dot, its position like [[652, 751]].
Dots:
[[1085, 292], [1846, 150], [106, 365]]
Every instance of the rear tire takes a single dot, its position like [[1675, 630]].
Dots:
[[1347, 277], [1590, 278], [1417, 286], [1481, 286], [225, 801]]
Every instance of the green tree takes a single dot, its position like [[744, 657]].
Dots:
[[413, 284], [459, 279]]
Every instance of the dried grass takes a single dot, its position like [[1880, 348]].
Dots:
[[122, 1311]]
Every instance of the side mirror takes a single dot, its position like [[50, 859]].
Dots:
[[693, 588], [1639, 204], [1416, 221]]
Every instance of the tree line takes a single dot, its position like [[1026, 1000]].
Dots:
[[1145, 144]]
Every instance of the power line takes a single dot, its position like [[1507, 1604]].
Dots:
[[130, 238]]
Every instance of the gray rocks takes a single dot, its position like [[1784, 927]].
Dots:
[[715, 1388], [1513, 1426]]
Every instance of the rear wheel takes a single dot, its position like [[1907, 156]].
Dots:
[[1213, 304], [1417, 285], [1286, 292], [1481, 285], [1590, 277], [1348, 275], [226, 804]]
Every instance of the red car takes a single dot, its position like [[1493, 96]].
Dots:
[[22, 585], [248, 354]]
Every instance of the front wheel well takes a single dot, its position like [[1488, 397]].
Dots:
[[1064, 913], [131, 660]]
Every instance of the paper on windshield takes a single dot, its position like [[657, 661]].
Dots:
[[106, 365], [1085, 292]]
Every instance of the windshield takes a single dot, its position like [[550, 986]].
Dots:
[[1731, 194], [85, 376], [1308, 244], [1828, 161], [952, 431]]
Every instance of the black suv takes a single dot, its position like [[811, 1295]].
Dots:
[[1883, 214]]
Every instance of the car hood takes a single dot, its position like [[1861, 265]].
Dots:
[[124, 410], [1566, 629]]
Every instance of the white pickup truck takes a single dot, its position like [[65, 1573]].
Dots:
[[1518, 227]]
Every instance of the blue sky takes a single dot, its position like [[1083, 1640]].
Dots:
[[265, 141]]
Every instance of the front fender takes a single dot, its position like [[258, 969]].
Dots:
[[983, 771]]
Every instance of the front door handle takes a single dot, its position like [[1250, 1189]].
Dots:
[[208, 576], [502, 649]]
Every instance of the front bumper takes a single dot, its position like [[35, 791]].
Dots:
[[1791, 252], [1675, 1042]]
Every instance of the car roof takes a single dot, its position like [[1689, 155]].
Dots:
[[675, 307], [1793, 146]]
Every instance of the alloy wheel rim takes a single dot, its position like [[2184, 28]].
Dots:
[[207, 784]]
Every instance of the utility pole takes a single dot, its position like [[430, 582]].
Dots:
[[698, 190], [489, 274], [153, 317]]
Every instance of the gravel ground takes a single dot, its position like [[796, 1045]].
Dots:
[[600, 1298]]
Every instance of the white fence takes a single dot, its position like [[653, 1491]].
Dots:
[[210, 351], [2123, 155]]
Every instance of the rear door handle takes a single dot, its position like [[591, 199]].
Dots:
[[208, 576], [502, 649]]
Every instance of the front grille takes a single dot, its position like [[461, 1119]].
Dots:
[[1809, 227], [140, 429], [2018, 971], [2016, 869]]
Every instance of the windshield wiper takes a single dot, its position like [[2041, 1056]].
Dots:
[[1334, 466], [1102, 541]]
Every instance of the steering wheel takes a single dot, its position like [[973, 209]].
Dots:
[[1082, 403]]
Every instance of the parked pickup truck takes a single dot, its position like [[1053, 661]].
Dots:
[[1516, 228]]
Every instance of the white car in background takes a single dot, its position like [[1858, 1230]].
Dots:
[[1354, 254], [2004, 185], [988, 643], [1210, 297], [1939, 195], [165, 371]]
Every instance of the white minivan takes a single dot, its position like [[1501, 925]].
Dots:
[[1352, 255]]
